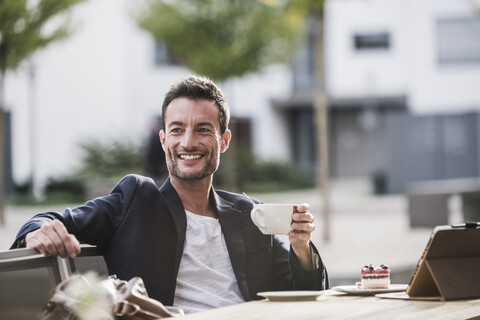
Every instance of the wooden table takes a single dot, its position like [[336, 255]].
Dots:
[[332, 305]]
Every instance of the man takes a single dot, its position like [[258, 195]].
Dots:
[[194, 247]]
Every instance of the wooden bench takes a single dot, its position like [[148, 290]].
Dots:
[[428, 201]]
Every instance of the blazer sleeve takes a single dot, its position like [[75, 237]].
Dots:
[[95, 221], [288, 273], [316, 279]]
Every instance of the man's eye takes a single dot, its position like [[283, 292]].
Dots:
[[175, 130], [204, 130]]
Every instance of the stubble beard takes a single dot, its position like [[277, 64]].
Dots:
[[208, 169]]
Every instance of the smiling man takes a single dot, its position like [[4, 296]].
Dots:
[[195, 247], [192, 140]]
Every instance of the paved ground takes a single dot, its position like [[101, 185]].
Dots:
[[364, 229]]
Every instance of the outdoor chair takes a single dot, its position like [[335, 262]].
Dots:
[[27, 276]]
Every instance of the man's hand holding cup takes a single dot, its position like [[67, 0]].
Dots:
[[287, 219]]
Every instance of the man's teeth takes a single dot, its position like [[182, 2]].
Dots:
[[190, 156]]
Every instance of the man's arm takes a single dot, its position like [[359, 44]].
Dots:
[[94, 222], [317, 279]]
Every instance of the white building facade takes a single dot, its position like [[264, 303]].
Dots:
[[432, 55], [403, 79]]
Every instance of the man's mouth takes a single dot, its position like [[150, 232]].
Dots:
[[190, 156]]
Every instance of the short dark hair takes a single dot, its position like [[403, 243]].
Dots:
[[199, 88]]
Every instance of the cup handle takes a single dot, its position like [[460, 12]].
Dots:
[[254, 215]]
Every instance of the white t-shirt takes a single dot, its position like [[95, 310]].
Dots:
[[205, 278]]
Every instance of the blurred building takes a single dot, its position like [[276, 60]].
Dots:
[[402, 78]]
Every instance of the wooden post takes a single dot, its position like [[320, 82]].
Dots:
[[2, 150], [320, 103]]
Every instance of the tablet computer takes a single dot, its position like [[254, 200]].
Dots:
[[449, 268]]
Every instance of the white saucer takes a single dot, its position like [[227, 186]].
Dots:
[[291, 295], [354, 290]]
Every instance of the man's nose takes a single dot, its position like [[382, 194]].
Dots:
[[188, 139]]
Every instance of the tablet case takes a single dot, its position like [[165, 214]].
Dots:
[[449, 268]]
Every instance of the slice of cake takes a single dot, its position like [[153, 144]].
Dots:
[[374, 277]]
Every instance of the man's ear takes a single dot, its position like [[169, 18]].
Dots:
[[225, 141], [161, 135]]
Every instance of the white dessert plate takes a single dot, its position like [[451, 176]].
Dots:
[[291, 295], [354, 290]]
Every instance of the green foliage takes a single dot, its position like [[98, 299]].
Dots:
[[59, 190], [111, 158], [26, 26], [311, 6], [225, 38], [108, 161], [67, 189], [257, 175], [69, 184], [119, 157], [104, 161]]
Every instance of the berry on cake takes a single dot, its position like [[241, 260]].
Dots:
[[375, 277]]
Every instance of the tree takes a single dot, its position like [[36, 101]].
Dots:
[[25, 27], [224, 38]]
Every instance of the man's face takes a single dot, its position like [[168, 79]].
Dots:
[[192, 140]]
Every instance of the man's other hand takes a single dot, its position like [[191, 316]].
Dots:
[[53, 239], [299, 237]]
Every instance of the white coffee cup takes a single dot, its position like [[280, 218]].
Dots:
[[273, 218]]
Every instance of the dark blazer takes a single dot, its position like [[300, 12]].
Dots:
[[141, 232]]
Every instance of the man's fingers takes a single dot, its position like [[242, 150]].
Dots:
[[53, 239], [40, 241], [299, 236], [66, 243], [303, 227], [34, 243], [75, 247], [57, 235], [303, 207], [303, 217]]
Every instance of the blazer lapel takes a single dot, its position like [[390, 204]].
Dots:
[[177, 212], [232, 222]]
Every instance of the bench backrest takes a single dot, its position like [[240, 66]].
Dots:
[[26, 278]]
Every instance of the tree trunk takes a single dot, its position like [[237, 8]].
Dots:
[[2, 148], [320, 103]]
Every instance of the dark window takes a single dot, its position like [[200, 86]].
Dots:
[[242, 131], [459, 40], [372, 41]]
